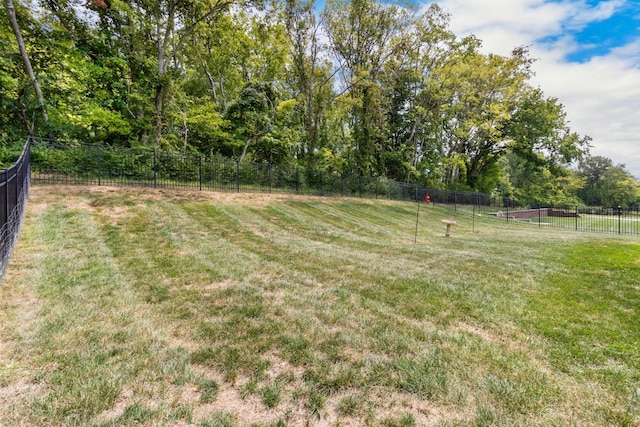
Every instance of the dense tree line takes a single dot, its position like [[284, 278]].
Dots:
[[360, 86]]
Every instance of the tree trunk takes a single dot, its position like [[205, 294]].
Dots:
[[158, 125], [212, 83], [222, 93], [163, 45], [185, 129], [251, 139], [11, 11]]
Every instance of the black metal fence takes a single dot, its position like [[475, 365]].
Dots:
[[14, 191], [55, 162], [74, 163], [615, 220]]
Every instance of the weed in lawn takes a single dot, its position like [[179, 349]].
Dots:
[[180, 412], [405, 420], [136, 414], [208, 390], [220, 419], [350, 405], [271, 394], [315, 401], [295, 349]]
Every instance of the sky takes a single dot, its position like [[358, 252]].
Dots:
[[587, 56]]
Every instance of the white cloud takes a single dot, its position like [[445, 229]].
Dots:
[[601, 96], [585, 14], [602, 100]]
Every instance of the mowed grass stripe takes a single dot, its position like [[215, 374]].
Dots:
[[94, 338], [256, 311], [403, 271]]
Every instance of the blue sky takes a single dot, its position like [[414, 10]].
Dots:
[[598, 37], [587, 55]]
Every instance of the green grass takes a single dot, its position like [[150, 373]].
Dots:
[[146, 307]]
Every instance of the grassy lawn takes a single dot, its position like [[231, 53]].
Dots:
[[158, 307]]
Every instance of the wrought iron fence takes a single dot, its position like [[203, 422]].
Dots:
[[614, 220], [14, 191], [75, 163], [55, 162]]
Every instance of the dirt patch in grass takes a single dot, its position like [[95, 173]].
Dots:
[[125, 399], [475, 330]]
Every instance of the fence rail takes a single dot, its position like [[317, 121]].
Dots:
[[613, 220], [55, 162], [14, 192]]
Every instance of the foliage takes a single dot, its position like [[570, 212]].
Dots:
[[608, 184], [368, 87]]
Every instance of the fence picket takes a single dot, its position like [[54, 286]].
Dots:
[[15, 181], [56, 162]]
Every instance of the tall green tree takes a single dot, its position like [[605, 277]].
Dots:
[[13, 21], [481, 93], [251, 116], [608, 184], [538, 132], [364, 35], [311, 77], [535, 183], [151, 36], [415, 99]]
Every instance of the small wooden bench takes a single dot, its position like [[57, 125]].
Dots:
[[449, 223]]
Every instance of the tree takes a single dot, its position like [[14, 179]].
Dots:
[[480, 91], [364, 35], [152, 35], [536, 184], [311, 77], [13, 21], [607, 184], [539, 133], [415, 98], [252, 114]]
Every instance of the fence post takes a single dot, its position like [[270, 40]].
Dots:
[[473, 222], [375, 186], [270, 178], [213, 174], [619, 216], [16, 188], [155, 167], [200, 170], [238, 175], [6, 196], [576, 217], [508, 209], [99, 171], [297, 181]]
